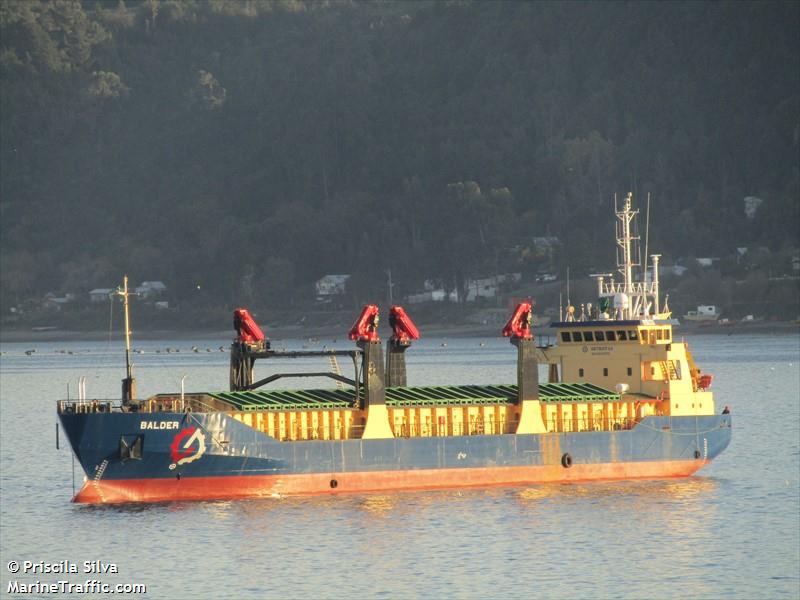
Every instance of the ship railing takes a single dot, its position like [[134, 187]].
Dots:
[[321, 432], [473, 427], [331, 432], [344, 431], [583, 424], [83, 406], [172, 404], [637, 287]]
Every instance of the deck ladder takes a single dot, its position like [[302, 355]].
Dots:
[[335, 368], [668, 370]]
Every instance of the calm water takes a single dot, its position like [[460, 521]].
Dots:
[[733, 531]]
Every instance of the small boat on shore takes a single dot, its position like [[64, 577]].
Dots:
[[623, 399]]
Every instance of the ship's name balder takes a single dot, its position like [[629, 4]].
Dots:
[[159, 425]]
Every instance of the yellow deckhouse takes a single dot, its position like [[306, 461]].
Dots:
[[626, 343]]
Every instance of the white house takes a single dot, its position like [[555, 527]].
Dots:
[[486, 287], [707, 262], [546, 242], [50, 300], [751, 206], [100, 294], [331, 285], [677, 270], [150, 289], [704, 312]]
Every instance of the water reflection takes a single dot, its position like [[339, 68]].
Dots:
[[645, 491], [733, 535], [132, 508], [378, 506]]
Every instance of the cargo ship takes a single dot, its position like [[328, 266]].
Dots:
[[622, 399]]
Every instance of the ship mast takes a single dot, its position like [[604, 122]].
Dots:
[[129, 383], [625, 216], [632, 299]]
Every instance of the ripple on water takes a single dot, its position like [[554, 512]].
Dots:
[[733, 531]]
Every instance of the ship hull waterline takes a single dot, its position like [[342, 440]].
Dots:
[[255, 486], [212, 456]]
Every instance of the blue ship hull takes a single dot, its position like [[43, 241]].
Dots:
[[171, 456]]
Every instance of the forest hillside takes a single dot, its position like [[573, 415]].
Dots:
[[240, 150]]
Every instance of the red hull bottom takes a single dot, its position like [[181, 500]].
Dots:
[[238, 487]]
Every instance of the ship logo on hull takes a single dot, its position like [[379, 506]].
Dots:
[[187, 446]]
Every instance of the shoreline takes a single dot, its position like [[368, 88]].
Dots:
[[435, 331]]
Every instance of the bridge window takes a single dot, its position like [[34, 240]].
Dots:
[[610, 336], [565, 336], [576, 336], [587, 336], [598, 336], [622, 335], [633, 335], [666, 334], [659, 334]]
